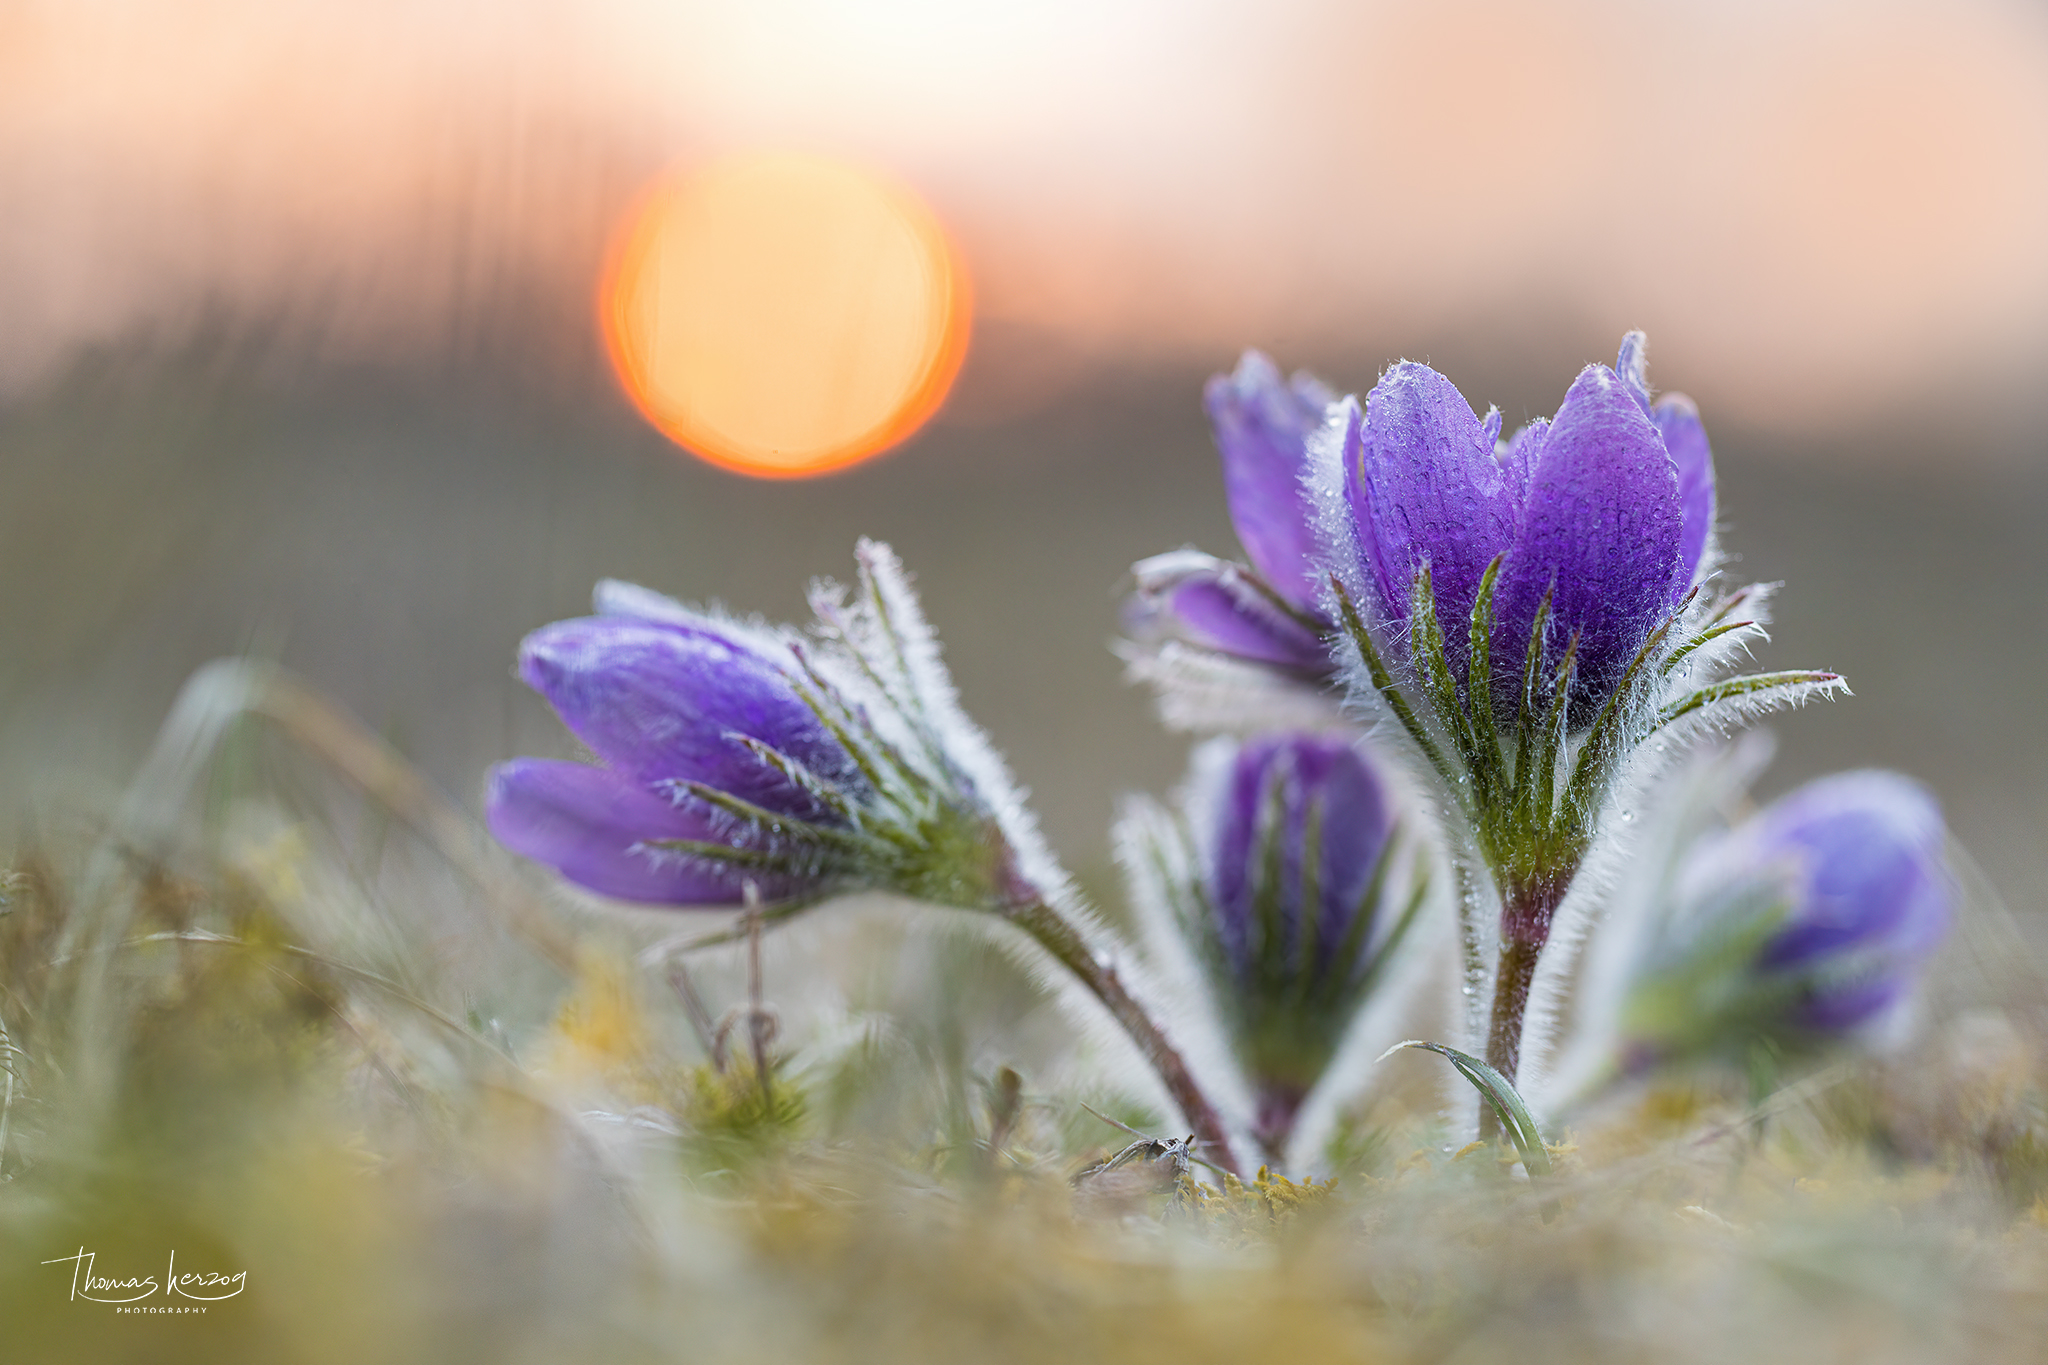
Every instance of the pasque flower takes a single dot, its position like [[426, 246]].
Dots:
[[1808, 921], [1267, 613], [1280, 893], [1598, 518], [738, 762], [1262, 425], [1529, 612], [734, 756], [698, 724]]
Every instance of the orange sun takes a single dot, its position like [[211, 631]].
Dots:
[[783, 315]]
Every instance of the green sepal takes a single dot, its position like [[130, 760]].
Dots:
[[797, 775], [1383, 682], [779, 826], [1426, 642], [1418, 895], [1491, 767], [1603, 746], [1705, 637], [740, 857], [1748, 685], [1550, 740]]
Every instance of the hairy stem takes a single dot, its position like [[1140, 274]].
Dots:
[[1525, 917], [1065, 943], [1510, 999]]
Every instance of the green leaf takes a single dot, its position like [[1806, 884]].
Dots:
[[779, 826], [800, 777], [1418, 896], [734, 856], [826, 704], [1310, 894], [1501, 1094], [1550, 741], [1603, 746]]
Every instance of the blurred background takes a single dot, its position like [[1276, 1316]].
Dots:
[[313, 340]]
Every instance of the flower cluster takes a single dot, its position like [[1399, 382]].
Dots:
[[1450, 649], [1516, 615]]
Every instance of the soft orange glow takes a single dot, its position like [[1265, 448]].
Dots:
[[783, 315]]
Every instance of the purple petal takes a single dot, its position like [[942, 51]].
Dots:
[[1686, 441], [1262, 425], [1837, 1009], [589, 824], [1210, 602], [1424, 484], [1872, 875], [1518, 461], [1602, 524], [666, 702], [1307, 773]]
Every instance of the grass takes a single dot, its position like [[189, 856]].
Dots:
[[291, 1016]]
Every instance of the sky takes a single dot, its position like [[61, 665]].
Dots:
[[1820, 210]]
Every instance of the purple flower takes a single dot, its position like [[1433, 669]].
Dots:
[[1812, 918], [1607, 507], [1187, 595], [691, 722], [1262, 425], [1294, 834], [1868, 888], [596, 827], [1267, 614], [1298, 833]]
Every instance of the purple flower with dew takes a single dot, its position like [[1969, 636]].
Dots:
[[1529, 612], [1293, 836], [1220, 606], [1262, 425], [604, 832], [1599, 517], [705, 740], [1871, 896], [1807, 922], [1267, 614]]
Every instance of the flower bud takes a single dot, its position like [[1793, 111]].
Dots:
[[1808, 922], [730, 759], [676, 710], [1282, 904]]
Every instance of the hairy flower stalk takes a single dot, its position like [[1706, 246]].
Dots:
[[1280, 877], [742, 762], [1807, 923], [1530, 612]]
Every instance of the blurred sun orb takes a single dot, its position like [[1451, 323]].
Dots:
[[783, 315]]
